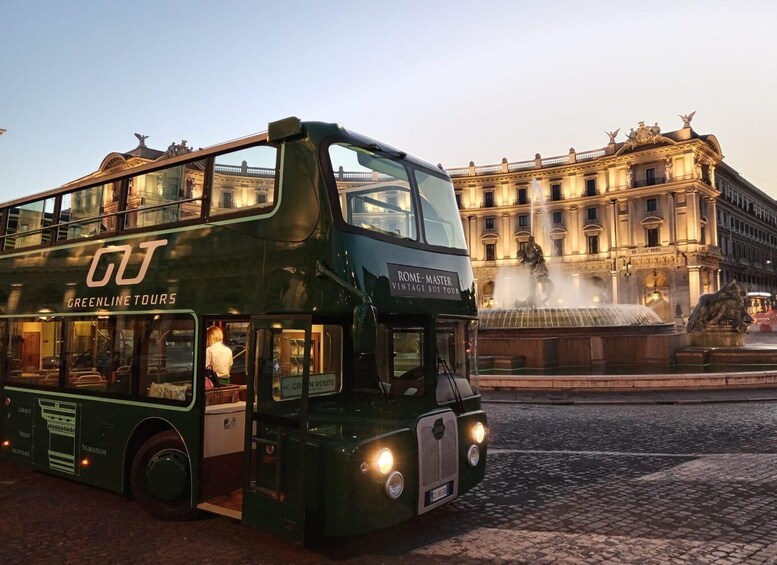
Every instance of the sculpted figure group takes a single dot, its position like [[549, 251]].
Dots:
[[726, 307]]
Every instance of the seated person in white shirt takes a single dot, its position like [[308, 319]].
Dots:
[[218, 356]]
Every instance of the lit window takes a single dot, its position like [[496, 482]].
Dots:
[[593, 244]]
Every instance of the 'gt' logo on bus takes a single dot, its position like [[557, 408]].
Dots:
[[121, 279]]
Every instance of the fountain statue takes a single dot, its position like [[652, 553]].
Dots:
[[726, 307], [532, 256], [720, 319]]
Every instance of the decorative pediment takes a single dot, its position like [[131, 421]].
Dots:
[[112, 161], [592, 229], [651, 221], [522, 235], [557, 233], [644, 135]]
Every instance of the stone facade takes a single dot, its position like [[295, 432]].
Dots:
[[639, 221]]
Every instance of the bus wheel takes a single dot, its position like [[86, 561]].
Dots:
[[161, 478]]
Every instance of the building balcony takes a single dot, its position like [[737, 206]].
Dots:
[[649, 182]]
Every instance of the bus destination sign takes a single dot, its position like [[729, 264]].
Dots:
[[420, 282]]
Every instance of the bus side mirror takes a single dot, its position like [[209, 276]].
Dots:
[[365, 329]]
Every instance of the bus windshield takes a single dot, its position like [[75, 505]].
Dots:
[[401, 363], [381, 192]]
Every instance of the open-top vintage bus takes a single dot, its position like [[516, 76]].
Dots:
[[337, 269]]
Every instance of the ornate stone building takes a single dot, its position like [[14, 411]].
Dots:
[[657, 219]]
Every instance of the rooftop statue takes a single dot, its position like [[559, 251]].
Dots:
[[141, 139], [687, 119]]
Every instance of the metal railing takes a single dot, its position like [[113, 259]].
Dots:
[[247, 171]]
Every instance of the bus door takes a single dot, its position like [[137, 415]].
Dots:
[[276, 424], [3, 377]]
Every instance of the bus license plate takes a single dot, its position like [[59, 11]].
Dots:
[[437, 494]]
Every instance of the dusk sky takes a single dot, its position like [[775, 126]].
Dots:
[[449, 81]]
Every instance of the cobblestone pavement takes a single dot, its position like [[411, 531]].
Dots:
[[565, 484]]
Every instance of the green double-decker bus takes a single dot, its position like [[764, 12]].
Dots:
[[335, 268]]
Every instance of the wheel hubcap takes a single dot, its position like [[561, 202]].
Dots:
[[167, 475]]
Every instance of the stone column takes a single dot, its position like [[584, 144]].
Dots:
[[692, 219], [694, 285], [476, 251], [612, 226], [614, 283], [470, 240], [632, 237], [505, 238], [671, 221], [712, 221], [574, 231], [537, 231]]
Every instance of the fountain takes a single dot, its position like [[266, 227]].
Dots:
[[565, 325]]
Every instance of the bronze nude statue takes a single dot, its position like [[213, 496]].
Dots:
[[532, 256]]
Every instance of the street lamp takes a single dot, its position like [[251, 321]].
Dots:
[[626, 267], [656, 294]]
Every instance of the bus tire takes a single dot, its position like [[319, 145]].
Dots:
[[161, 478]]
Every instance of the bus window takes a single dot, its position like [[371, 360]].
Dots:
[[235, 337], [374, 191], [87, 212], [454, 345], [442, 224], [87, 354], [399, 359], [455, 359], [26, 224], [121, 354], [33, 351], [326, 358], [244, 180], [166, 357], [165, 196]]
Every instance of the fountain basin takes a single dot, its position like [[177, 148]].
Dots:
[[589, 339]]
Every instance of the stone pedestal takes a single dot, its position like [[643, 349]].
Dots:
[[717, 336]]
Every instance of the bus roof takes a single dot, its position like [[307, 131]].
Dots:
[[97, 178]]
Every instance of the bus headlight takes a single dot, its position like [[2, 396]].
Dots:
[[478, 432], [473, 455], [385, 461], [395, 484]]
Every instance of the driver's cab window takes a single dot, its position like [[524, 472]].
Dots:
[[455, 359], [400, 360]]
